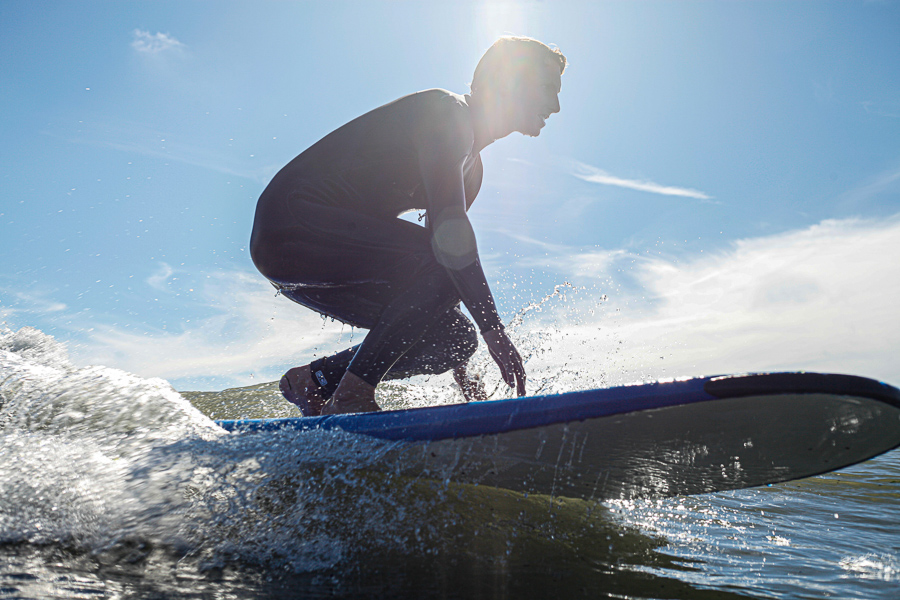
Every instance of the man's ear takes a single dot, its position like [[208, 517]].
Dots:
[[508, 87]]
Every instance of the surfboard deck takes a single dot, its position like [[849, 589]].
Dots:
[[666, 438]]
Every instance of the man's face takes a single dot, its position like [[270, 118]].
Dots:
[[535, 98]]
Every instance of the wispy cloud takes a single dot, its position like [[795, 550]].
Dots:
[[882, 109], [595, 175], [158, 279], [138, 138], [521, 237], [885, 181], [191, 155], [583, 262], [15, 302], [154, 43]]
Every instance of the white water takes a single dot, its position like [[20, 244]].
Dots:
[[94, 459]]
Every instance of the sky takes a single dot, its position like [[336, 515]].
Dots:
[[719, 193]]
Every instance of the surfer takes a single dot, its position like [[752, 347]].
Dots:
[[327, 233]]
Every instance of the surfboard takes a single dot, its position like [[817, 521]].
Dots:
[[659, 439]]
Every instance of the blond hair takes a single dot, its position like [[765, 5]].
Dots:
[[509, 57]]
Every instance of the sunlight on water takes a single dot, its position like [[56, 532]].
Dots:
[[816, 536]]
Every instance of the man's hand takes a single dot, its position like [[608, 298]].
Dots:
[[507, 358]]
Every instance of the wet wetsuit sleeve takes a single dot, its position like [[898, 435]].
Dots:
[[443, 148]]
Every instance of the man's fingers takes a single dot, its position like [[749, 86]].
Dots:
[[520, 375], [507, 373], [508, 360], [514, 372], [504, 371]]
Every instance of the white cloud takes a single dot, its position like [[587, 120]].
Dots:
[[247, 331], [595, 175], [822, 298], [154, 43]]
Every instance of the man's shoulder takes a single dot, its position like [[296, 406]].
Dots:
[[440, 113], [417, 112], [435, 100], [421, 117]]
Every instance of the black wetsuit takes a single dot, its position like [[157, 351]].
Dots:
[[327, 234]]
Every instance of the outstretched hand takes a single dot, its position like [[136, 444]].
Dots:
[[507, 358]]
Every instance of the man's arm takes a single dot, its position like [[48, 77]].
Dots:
[[441, 162]]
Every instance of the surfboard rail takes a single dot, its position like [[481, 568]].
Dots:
[[664, 438], [499, 416]]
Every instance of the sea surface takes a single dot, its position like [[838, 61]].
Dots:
[[115, 486]]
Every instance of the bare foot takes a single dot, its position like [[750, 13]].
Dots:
[[298, 387], [471, 386], [353, 395]]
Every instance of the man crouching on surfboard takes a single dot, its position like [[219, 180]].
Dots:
[[328, 236]]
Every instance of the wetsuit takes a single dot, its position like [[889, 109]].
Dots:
[[328, 236]]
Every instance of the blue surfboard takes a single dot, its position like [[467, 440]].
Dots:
[[666, 438]]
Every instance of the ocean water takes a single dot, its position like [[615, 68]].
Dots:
[[114, 486]]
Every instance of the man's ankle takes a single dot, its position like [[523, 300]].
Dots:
[[353, 395]]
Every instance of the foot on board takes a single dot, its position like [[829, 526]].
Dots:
[[350, 405], [299, 389]]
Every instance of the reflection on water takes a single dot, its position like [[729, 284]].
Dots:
[[456, 542]]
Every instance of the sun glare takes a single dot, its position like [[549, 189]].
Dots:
[[499, 18]]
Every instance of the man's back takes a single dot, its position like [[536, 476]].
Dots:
[[372, 164]]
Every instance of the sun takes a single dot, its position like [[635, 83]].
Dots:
[[496, 18]]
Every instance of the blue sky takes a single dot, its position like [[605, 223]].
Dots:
[[726, 174]]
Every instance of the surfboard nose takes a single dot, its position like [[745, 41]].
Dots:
[[764, 384]]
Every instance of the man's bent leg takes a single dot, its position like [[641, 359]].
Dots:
[[309, 387], [447, 344], [404, 322], [398, 290]]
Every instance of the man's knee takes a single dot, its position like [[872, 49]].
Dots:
[[448, 344]]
